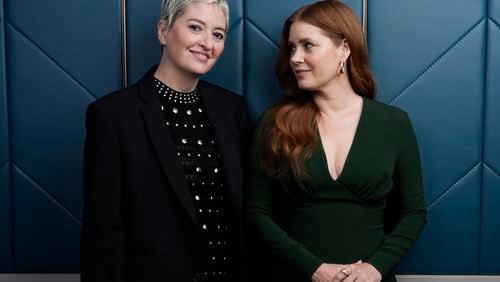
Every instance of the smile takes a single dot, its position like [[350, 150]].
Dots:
[[301, 72], [200, 55]]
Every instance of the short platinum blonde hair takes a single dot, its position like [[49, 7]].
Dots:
[[171, 10]]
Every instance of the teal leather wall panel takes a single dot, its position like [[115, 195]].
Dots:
[[81, 37], [57, 60], [428, 59], [490, 244], [47, 234], [6, 260], [438, 60]]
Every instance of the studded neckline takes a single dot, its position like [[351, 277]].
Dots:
[[175, 96]]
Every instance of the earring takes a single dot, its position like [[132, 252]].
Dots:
[[342, 67]]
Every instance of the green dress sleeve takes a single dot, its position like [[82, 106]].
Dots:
[[406, 205], [259, 214]]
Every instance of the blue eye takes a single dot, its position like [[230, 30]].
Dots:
[[291, 49]]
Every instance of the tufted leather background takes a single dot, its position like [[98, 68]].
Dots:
[[438, 60]]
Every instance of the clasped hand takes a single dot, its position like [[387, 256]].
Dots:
[[358, 271]]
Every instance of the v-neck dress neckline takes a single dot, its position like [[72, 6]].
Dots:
[[348, 160]]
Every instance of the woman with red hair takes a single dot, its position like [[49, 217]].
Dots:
[[334, 185]]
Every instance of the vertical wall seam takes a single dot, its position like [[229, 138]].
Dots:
[[483, 132], [243, 51], [9, 138], [124, 43], [365, 19]]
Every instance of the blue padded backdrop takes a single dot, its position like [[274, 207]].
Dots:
[[437, 76], [490, 231], [6, 259], [438, 60], [56, 63]]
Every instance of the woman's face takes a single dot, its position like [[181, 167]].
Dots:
[[314, 57], [196, 39]]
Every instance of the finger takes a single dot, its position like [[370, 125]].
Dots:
[[351, 278], [340, 276]]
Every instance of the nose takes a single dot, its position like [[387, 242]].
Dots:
[[296, 57], [207, 41]]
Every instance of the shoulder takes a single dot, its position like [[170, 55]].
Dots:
[[128, 97], [386, 114], [265, 122], [118, 97], [223, 94], [116, 104]]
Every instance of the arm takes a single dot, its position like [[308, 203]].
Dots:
[[102, 245], [245, 130], [406, 205], [258, 213]]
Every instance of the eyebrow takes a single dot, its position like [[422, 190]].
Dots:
[[204, 24], [302, 40]]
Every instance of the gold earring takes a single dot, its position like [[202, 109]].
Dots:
[[342, 67]]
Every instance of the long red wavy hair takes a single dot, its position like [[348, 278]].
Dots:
[[290, 140]]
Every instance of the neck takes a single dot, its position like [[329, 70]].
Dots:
[[337, 97], [175, 79]]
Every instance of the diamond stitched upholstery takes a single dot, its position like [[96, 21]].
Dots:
[[433, 68], [5, 208], [438, 63], [56, 64], [490, 208]]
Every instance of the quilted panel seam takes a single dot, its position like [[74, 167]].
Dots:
[[231, 27], [434, 63], [248, 21], [34, 44], [47, 193], [495, 172], [494, 22], [453, 187]]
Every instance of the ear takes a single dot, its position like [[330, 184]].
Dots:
[[345, 50], [162, 31]]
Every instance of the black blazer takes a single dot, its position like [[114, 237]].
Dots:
[[139, 222]]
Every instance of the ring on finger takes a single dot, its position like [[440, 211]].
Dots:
[[345, 272]]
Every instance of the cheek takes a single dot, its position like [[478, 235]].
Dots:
[[219, 48]]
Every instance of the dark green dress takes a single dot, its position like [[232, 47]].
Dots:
[[372, 212]]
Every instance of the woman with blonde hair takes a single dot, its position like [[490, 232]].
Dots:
[[162, 163]]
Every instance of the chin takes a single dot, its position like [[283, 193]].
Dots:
[[200, 70], [305, 86]]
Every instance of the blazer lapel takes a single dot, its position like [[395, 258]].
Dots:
[[163, 143], [226, 145]]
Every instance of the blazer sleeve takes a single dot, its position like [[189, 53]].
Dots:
[[259, 215], [102, 244], [406, 211], [246, 130]]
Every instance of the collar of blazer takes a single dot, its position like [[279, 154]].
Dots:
[[162, 141]]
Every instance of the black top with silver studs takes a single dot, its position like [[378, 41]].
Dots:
[[196, 149]]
